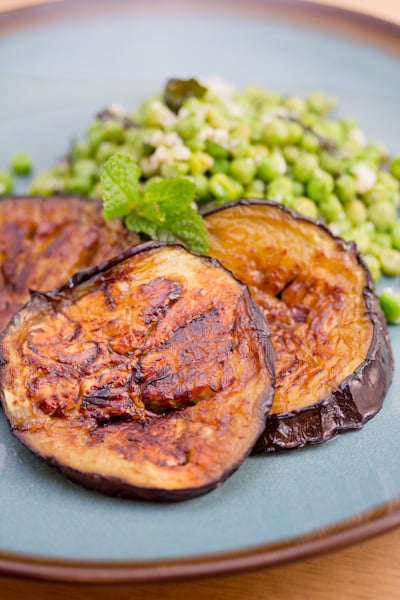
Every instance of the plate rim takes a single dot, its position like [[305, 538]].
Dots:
[[378, 520]]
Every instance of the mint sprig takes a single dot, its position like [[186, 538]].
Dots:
[[164, 211]]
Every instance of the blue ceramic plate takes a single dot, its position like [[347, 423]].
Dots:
[[59, 64]]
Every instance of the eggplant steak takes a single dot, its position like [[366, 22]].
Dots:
[[44, 241], [149, 376], [333, 358]]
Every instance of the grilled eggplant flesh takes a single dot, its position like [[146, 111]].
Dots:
[[150, 376], [333, 358], [44, 241]]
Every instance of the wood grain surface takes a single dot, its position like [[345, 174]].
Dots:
[[369, 570]]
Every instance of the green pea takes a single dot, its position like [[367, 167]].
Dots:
[[61, 169], [202, 188], [256, 189], [291, 153], [45, 184], [320, 103], [331, 163], [195, 144], [239, 148], [224, 187], [345, 187], [275, 132], [200, 162], [332, 210], [395, 233], [395, 167], [387, 180], [378, 193], [298, 188], [340, 227], [281, 190], [310, 142], [216, 150], [21, 163], [153, 113], [356, 211], [390, 261], [177, 169], [295, 132], [243, 169], [295, 103], [374, 153], [94, 136], [384, 240], [271, 166], [374, 266], [113, 131], [390, 304], [84, 167], [220, 165], [360, 237], [320, 186], [305, 166], [105, 151], [79, 184], [383, 215], [188, 127], [6, 183], [80, 150], [306, 207]]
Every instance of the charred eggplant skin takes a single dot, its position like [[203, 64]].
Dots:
[[359, 396], [232, 342]]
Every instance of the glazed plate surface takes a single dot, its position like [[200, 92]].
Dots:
[[59, 65]]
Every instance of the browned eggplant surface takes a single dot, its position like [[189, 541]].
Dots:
[[43, 242], [333, 358], [149, 376]]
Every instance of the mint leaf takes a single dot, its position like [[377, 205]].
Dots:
[[178, 90], [142, 225], [171, 194], [120, 183], [164, 211], [188, 228]]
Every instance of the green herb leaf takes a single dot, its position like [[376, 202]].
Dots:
[[120, 183], [178, 90], [164, 211]]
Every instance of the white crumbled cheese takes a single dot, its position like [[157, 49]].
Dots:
[[234, 109], [219, 87], [156, 138], [183, 112], [205, 133], [357, 136], [220, 136], [180, 152], [172, 139], [282, 166], [2, 188], [161, 154], [365, 178]]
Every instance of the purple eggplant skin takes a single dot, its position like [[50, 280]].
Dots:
[[148, 409], [360, 395], [357, 399]]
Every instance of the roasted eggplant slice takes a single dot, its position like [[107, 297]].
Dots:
[[43, 242], [333, 358], [149, 376]]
